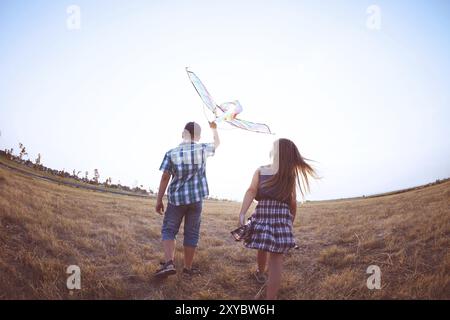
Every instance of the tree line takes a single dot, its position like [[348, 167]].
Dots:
[[76, 174]]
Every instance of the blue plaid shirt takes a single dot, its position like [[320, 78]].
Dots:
[[187, 165]]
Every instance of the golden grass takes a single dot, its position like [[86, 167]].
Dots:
[[115, 239]]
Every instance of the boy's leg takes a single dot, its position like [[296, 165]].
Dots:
[[171, 224], [169, 250], [188, 256], [192, 222]]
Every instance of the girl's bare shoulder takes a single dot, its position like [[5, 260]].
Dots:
[[265, 170]]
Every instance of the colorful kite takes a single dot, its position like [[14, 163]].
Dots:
[[227, 111]]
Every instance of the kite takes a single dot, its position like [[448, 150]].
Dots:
[[227, 111]]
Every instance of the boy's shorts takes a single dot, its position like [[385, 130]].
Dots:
[[192, 218]]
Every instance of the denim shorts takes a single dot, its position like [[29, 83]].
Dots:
[[192, 218]]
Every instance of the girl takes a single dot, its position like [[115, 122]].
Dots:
[[269, 229]]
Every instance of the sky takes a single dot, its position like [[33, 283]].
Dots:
[[360, 86]]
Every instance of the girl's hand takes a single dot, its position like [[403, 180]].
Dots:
[[242, 219]]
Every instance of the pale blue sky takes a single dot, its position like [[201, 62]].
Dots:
[[372, 107]]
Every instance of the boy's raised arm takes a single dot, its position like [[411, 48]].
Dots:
[[213, 126]]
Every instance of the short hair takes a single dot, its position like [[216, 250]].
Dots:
[[193, 128]]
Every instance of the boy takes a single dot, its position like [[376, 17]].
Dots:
[[186, 165]]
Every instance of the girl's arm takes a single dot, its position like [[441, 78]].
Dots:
[[249, 197], [293, 205]]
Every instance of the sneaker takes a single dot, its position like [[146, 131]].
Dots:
[[260, 277], [191, 272], [167, 269]]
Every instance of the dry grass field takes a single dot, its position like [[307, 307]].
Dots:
[[115, 239]]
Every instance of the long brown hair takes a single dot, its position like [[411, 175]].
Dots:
[[290, 168]]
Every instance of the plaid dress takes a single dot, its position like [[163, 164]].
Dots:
[[270, 227]]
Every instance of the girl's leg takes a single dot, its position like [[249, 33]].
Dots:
[[261, 259], [275, 268]]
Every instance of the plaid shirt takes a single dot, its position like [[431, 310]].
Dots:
[[187, 165]]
